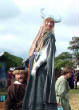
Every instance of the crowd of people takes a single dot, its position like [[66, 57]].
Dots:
[[40, 92]]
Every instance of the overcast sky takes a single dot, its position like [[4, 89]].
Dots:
[[20, 21]]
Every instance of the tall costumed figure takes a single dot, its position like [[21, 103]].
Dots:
[[40, 91]]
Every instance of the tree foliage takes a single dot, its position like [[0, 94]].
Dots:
[[74, 44], [11, 60], [62, 60], [64, 55], [74, 47]]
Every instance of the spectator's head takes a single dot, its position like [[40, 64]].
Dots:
[[67, 72], [20, 75]]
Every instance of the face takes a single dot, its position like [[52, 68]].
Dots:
[[49, 24], [20, 77], [69, 74]]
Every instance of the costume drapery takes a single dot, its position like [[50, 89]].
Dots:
[[40, 91]]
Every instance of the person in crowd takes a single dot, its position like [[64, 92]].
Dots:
[[40, 91], [16, 90], [62, 88], [76, 79], [71, 82], [10, 77]]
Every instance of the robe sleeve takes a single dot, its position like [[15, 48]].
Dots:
[[42, 58]]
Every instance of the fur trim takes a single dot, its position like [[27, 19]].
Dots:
[[19, 72]]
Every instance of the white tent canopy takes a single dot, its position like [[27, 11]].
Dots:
[[77, 68]]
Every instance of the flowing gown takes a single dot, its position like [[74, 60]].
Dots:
[[40, 91]]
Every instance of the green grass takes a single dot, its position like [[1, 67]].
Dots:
[[74, 91]]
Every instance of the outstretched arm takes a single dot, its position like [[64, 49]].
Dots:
[[40, 61]]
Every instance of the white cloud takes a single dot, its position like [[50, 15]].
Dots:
[[20, 21], [12, 44], [8, 9], [61, 47], [34, 5]]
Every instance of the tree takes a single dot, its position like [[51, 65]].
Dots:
[[11, 60], [74, 47], [63, 60]]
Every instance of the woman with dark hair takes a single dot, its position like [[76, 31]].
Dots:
[[40, 91]]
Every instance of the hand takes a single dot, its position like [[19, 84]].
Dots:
[[58, 104], [33, 72]]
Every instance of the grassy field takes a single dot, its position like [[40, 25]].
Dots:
[[74, 91], [74, 99]]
